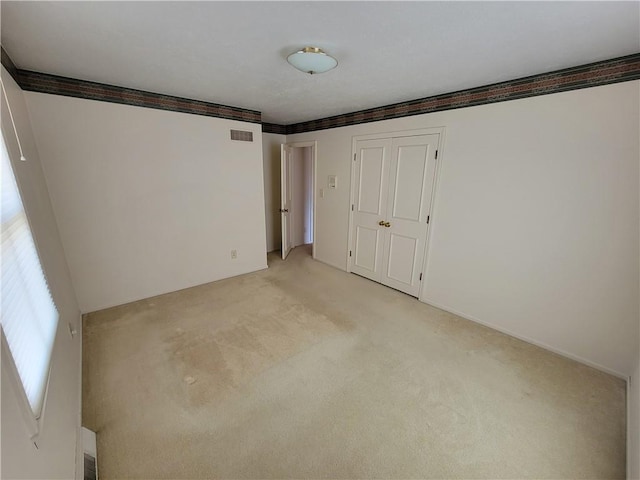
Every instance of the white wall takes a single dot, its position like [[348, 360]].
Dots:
[[297, 197], [271, 164], [149, 201], [57, 452], [308, 192], [302, 209], [535, 224]]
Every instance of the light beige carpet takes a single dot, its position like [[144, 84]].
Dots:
[[304, 371]]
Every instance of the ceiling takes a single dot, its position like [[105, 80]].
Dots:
[[234, 53]]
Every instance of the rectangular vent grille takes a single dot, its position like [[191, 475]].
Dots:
[[241, 136], [89, 467]]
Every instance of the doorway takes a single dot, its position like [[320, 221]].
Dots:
[[297, 202]]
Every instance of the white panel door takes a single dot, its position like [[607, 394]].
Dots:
[[286, 198], [393, 190], [411, 182], [369, 207]]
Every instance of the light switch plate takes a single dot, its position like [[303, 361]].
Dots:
[[333, 181]]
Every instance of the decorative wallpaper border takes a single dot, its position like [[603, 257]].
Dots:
[[605, 72], [70, 87], [8, 64], [274, 128], [620, 69]]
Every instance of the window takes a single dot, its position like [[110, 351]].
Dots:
[[29, 317]]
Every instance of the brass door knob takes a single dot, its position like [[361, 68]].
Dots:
[[387, 224], [381, 223]]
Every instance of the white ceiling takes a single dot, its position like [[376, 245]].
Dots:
[[234, 53]]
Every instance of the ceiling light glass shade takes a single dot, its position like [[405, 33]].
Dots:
[[312, 60]]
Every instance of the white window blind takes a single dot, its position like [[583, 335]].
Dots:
[[29, 316]]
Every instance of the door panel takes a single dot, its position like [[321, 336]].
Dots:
[[409, 184], [286, 198], [402, 256], [367, 246], [370, 194], [372, 165]]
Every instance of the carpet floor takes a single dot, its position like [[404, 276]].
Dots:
[[305, 371]]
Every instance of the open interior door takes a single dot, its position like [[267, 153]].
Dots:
[[285, 198]]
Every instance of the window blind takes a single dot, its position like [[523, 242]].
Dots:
[[29, 317]]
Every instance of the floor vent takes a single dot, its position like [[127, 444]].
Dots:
[[90, 472], [241, 135]]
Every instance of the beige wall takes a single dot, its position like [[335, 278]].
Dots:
[[535, 222], [149, 201], [633, 397], [271, 164], [56, 454]]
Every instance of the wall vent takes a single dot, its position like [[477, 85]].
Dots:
[[90, 454], [90, 470], [241, 136]]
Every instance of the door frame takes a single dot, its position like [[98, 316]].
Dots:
[[314, 155], [434, 204]]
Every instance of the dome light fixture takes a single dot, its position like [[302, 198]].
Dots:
[[312, 60]]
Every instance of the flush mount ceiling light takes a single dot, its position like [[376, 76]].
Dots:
[[312, 60]]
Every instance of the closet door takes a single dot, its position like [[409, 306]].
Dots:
[[371, 188], [410, 191]]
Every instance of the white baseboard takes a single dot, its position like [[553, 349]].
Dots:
[[339, 267], [527, 339]]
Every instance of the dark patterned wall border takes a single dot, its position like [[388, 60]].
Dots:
[[594, 74], [8, 64], [274, 128], [46, 83], [621, 69]]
